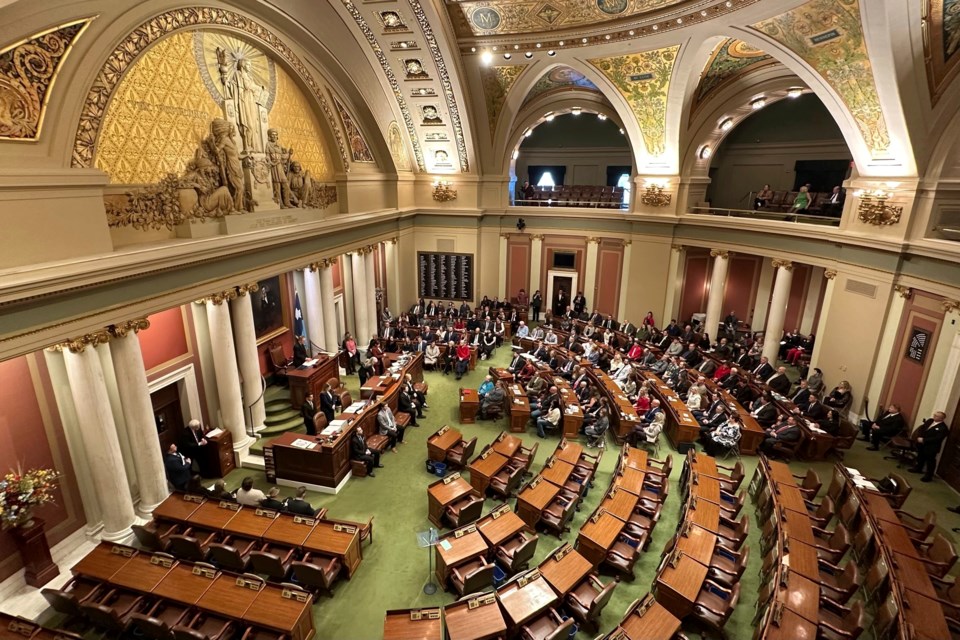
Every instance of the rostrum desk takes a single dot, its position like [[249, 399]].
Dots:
[[311, 379]]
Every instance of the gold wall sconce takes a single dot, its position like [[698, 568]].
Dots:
[[443, 191], [654, 196], [875, 209]]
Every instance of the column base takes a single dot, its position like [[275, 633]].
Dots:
[[145, 511], [121, 535]]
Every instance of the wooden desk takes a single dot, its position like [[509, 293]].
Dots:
[[705, 488], [247, 524], [621, 504], [227, 598], [462, 549], [565, 574], [142, 573], [631, 480], [912, 574], [926, 616], [705, 465], [497, 530], [791, 498], [469, 405], [178, 507], [557, 471], [801, 558], [439, 444], [216, 457], [880, 508], [677, 586], [185, 584], [571, 413], [697, 543], [569, 452], [895, 538], [522, 604], [704, 514], [311, 380], [480, 623], [413, 624], [440, 495], [214, 514], [780, 472], [800, 594], [796, 526], [650, 621], [324, 465], [289, 530], [275, 608], [596, 537], [534, 499], [484, 467], [635, 458], [343, 544], [780, 623], [681, 427], [104, 561], [518, 408], [507, 445]]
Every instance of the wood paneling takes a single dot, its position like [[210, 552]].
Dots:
[[799, 286], [696, 275], [191, 357], [609, 270], [743, 278], [518, 264], [552, 244]]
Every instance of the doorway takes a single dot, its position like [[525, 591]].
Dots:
[[558, 281], [167, 415]]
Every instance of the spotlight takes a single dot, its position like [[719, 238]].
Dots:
[[726, 125], [486, 58], [795, 92], [600, 116], [551, 53], [515, 47], [549, 117], [576, 111], [528, 55], [521, 225], [759, 103], [507, 56], [705, 152], [539, 45]]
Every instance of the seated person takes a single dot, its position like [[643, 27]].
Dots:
[[523, 330], [591, 410], [801, 396], [449, 359], [779, 381], [652, 431], [549, 422], [725, 436], [272, 501], [722, 372], [815, 410], [599, 427], [537, 333], [462, 358], [406, 403], [887, 425], [387, 426], [526, 374], [366, 370], [831, 422], [485, 387], [536, 386], [299, 504], [839, 397], [431, 356], [492, 403], [635, 352], [360, 451], [487, 345], [764, 410], [629, 387], [247, 495], [786, 431], [642, 403]]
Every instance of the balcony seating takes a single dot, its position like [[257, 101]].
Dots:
[[595, 196]]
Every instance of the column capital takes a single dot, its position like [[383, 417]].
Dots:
[[537, 236], [394, 240], [782, 264], [219, 297], [593, 240], [677, 247], [830, 274], [505, 236], [949, 305], [719, 253], [122, 329], [77, 345], [244, 289], [627, 243], [902, 291]]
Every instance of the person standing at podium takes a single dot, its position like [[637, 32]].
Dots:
[[299, 352], [192, 443], [308, 411]]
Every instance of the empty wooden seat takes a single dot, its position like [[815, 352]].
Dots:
[[835, 543], [623, 555], [726, 566], [204, 626], [475, 575], [839, 584], [556, 516], [274, 566], [715, 604], [460, 454], [515, 553], [918, 528], [316, 572], [464, 511], [938, 555], [838, 622], [588, 599], [549, 625]]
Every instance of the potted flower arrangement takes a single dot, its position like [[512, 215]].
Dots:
[[23, 491]]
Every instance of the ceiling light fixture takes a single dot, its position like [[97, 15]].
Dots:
[[759, 103], [539, 45], [560, 43], [606, 37], [679, 20], [473, 49], [528, 133], [584, 41], [795, 92], [600, 116], [705, 152], [632, 32], [507, 56], [726, 125], [528, 55], [576, 111], [515, 47], [550, 117], [655, 27], [486, 58], [703, 13], [551, 53]]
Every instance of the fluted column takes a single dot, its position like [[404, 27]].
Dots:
[[99, 433], [625, 282], [313, 297], [502, 271], [245, 341], [778, 309], [830, 276], [225, 367], [359, 292], [945, 399], [393, 275], [138, 413], [589, 286], [369, 268], [331, 340], [346, 274], [536, 257], [674, 283], [718, 281]]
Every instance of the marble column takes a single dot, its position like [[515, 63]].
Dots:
[[502, 271], [369, 272], [313, 298], [99, 433], [138, 414], [346, 273], [589, 286], [360, 307], [225, 367], [625, 282], [778, 309], [536, 257], [248, 359], [946, 392], [718, 282], [674, 282], [331, 340], [829, 275], [393, 276]]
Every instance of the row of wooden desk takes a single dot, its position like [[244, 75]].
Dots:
[[215, 592], [536, 495], [15, 628]]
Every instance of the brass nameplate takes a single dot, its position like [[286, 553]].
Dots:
[[675, 559], [595, 518], [163, 562], [233, 506], [499, 511], [536, 482], [192, 498], [299, 596], [501, 436], [126, 552], [618, 634], [266, 513], [21, 628], [253, 585], [777, 613], [304, 520], [443, 429], [416, 615], [431, 614], [694, 478], [562, 552], [483, 456], [343, 528], [551, 462], [784, 576], [450, 478], [206, 572], [645, 604], [472, 604]]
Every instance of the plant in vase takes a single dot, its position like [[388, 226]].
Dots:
[[23, 491]]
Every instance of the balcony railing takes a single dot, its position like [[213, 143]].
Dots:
[[776, 216], [561, 202]]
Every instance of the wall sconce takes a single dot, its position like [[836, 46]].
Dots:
[[443, 191], [653, 195], [873, 208]]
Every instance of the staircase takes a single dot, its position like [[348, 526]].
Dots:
[[281, 417]]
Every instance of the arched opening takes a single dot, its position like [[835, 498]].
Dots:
[[783, 149], [574, 159]]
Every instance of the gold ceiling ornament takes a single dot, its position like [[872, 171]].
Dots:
[[949, 305], [219, 297], [782, 264], [326, 263], [903, 291], [145, 35], [873, 208], [443, 191], [121, 329], [830, 274], [730, 60], [28, 70], [593, 240], [719, 253], [77, 345], [497, 82], [313, 266], [244, 289]]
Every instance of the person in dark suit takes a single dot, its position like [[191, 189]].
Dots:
[[887, 425], [814, 409], [308, 410], [272, 501], [834, 203], [708, 367], [177, 467], [299, 351], [786, 432], [801, 396], [764, 411], [406, 404], [299, 504], [360, 451], [329, 402], [193, 441], [934, 432], [763, 370], [779, 381], [579, 303]]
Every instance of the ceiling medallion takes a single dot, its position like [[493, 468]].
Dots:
[[548, 13]]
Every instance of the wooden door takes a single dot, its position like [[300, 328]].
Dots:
[[949, 468], [565, 284], [167, 415]]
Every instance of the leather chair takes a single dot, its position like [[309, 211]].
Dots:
[[660, 467], [556, 517], [651, 495], [154, 537], [876, 584], [515, 553], [730, 504], [733, 534], [316, 572], [459, 456], [715, 604], [904, 488], [938, 555], [366, 530], [111, 613], [918, 528], [464, 511], [947, 591], [849, 514], [885, 622], [732, 482], [474, 575], [863, 547], [587, 462], [272, 565], [810, 484], [157, 623], [256, 633], [822, 514], [67, 601], [726, 566], [525, 457], [345, 399], [279, 361], [838, 622], [786, 450], [227, 557], [547, 626], [642, 521], [186, 547], [623, 555], [839, 584], [319, 422], [204, 627], [506, 482], [588, 599], [836, 545]]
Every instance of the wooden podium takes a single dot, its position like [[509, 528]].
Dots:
[[311, 379]]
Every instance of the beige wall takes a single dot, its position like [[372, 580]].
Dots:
[[648, 278]]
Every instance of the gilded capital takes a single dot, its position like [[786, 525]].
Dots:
[[949, 305], [244, 289], [326, 263], [830, 274], [121, 329], [220, 297], [393, 240], [77, 345], [537, 236], [677, 247], [782, 264], [505, 236], [627, 243], [719, 253], [902, 291], [593, 240]]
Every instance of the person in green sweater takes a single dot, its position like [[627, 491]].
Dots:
[[802, 201]]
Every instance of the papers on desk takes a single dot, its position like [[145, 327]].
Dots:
[[356, 407], [330, 432], [572, 410], [863, 483], [300, 443], [213, 434], [528, 356], [312, 362], [445, 545], [515, 401], [337, 424]]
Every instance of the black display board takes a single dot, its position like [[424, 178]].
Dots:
[[445, 276]]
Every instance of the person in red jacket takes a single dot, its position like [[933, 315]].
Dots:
[[463, 358]]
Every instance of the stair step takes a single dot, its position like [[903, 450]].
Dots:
[[279, 416]]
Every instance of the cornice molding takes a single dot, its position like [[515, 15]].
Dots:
[[78, 344], [123, 329]]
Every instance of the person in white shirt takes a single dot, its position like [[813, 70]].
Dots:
[[247, 495], [537, 334], [523, 330], [551, 338]]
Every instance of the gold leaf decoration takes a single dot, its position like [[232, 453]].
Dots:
[[497, 82]]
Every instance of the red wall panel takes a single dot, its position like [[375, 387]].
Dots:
[[693, 294], [905, 375], [337, 276], [165, 340], [518, 266], [743, 276], [798, 296], [609, 270]]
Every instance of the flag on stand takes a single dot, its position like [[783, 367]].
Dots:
[[297, 315]]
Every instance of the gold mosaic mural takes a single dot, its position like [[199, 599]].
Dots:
[[27, 72], [731, 59], [643, 79], [828, 35], [499, 17], [162, 109], [497, 82]]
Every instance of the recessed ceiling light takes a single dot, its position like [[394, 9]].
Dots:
[[486, 58], [705, 152], [631, 32], [494, 48], [679, 20], [539, 45], [726, 124], [576, 111], [550, 117], [795, 92], [606, 37], [584, 41], [551, 53], [507, 56], [759, 103], [655, 27], [528, 55], [403, 45], [600, 116], [729, 4], [515, 47], [703, 13], [423, 92], [473, 49], [560, 43]]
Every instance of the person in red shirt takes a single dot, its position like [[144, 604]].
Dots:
[[463, 358], [635, 352], [642, 405], [648, 319], [722, 371]]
